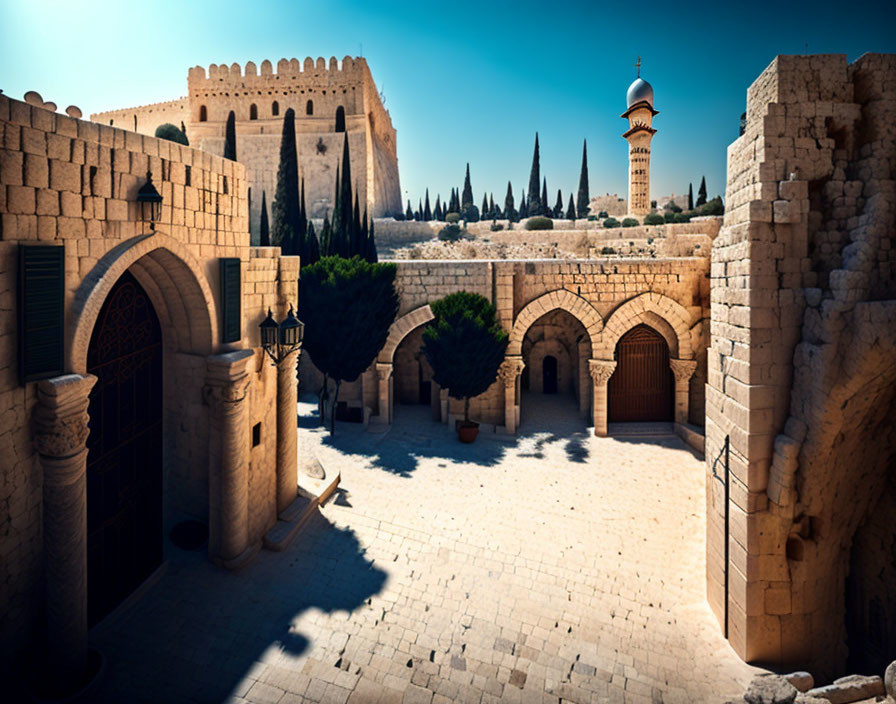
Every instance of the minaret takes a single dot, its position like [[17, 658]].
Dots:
[[639, 112]]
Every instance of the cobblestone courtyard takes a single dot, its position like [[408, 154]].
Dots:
[[554, 566]]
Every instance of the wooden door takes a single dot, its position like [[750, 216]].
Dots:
[[124, 458], [641, 389]]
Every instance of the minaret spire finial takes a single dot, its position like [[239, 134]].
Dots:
[[639, 65]]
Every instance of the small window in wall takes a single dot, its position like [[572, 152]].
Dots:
[[111, 122], [275, 108], [203, 114], [189, 175], [256, 435], [309, 107], [253, 112], [135, 123], [340, 119]]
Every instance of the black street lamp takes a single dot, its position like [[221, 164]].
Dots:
[[150, 201], [281, 340]]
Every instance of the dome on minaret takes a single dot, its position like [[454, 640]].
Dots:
[[638, 91]]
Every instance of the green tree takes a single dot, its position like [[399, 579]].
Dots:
[[347, 306], [524, 208], [172, 134], [326, 241], [467, 197], [265, 236], [357, 244], [558, 206], [533, 206], [285, 210], [583, 198], [230, 137], [464, 344], [437, 213], [509, 211], [409, 213], [571, 210], [701, 193], [492, 212], [370, 252], [690, 196], [312, 246], [545, 207], [346, 216], [484, 211], [427, 211]]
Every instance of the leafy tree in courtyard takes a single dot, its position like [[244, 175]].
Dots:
[[230, 137], [285, 211], [533, 207], [347, 306], [701, 193], [172, 134], [464, 344], [582, 199], [265, 236]]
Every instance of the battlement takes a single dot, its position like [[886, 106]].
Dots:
[[348, 67]]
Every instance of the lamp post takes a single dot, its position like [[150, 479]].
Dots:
[[150, 201], [279, 340]]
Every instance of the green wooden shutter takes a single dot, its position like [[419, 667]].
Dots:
[[230, 300], [41, 307]]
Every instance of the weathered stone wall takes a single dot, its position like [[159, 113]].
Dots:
[[802, 326], [146, 118], [74, 183]]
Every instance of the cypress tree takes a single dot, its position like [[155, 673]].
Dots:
[[690, 196], [437, 213], [362, 239], [336, 224], [230, 137], [558, 207], [509, 210], [427, 211], [371, 245], [701, 193], [409, 213], [467, 198], [571, 210], [326, 241], [545, 208], [285, 210], [491, 206], [312, 246], [357, 244], [484, 210], [345, 201], [533, 205], [418, 214], [265, 236], [524, 209], [583, 199]]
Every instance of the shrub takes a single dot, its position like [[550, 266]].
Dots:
[[464, 344], [496, 227], [711, 207], [539, 222], [471, 214], [593, 218], [654, 219], [611, 222], [452, 218], [669, 216], [172, 134], [629, 222], [603, 214], [682, 217], [450, 233], [607, 250]]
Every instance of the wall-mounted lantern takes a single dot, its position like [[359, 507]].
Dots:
[[281, 339], [150, 201]]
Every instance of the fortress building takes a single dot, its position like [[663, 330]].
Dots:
[[331, 102], [640, 113]]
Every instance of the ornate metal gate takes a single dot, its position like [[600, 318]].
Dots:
[[124, 459], [641, 388]]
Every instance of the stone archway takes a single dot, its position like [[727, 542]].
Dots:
[[386, 358]]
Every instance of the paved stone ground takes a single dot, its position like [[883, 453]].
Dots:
[[552, 567]]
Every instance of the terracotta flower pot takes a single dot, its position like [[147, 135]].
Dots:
[[467, 431]]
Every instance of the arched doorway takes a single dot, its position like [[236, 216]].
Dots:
[[549, 374], [124, 460], [642, 388], [412, 375]]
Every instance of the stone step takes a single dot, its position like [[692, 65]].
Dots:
[[312, 493]]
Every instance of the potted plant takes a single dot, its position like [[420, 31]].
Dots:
[[464, 344]]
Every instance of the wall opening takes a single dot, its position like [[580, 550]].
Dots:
[[253, 112], [309, 107], [275, 108], [203, 114], [340, 119]]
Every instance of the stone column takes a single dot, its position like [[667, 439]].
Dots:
[[384, 372], [287, 431], [227, 384], [60, 436], [601, 370], [509, 370], [682, 370]]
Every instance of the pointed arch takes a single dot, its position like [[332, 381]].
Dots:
[[309, 107], [203, 113], [561, 299], [665, 315], [253, 112], [340, 119], [275, 108]]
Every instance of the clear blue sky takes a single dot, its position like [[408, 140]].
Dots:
[[467, 81]]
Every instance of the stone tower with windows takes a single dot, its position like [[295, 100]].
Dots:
[[332, 101], [640, 113]]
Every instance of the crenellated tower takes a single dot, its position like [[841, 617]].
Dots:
[[640, 114]]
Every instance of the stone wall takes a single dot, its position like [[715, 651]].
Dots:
[[74, 183], [802, 323], [146, 118]]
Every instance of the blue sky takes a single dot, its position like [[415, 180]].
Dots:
[[465, 82]]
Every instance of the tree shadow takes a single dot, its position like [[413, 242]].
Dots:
[[198, 633]]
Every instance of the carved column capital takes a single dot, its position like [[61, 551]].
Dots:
[[601, 370], [510, 369], [683, 369], [227, 380], [384, 370], [60, 417]]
